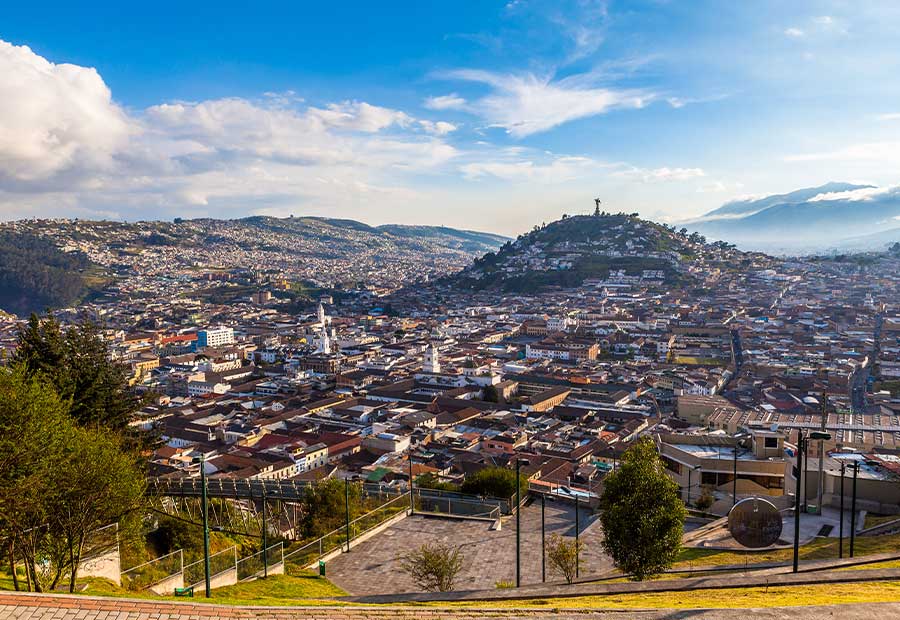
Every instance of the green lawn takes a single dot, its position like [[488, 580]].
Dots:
[[277, 590], [818, 549], [826, 594], [873, 520]]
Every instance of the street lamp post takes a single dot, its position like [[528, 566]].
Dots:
[[798, 473], [853, 508], [841, 525], [734, 475], [543, 542], [347, 510], [412, 503], [518, 524], [265, 534], [205, 511], [577, 534]]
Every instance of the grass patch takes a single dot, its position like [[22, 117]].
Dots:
[[873, 520], [818, 549], [732, 598], [274, 591]]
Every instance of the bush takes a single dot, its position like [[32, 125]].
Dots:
[[433, 566], [564, 556], [705, 501]]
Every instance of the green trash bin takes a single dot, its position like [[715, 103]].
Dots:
[[321, 568]]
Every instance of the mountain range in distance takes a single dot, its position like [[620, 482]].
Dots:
[[832, 217]]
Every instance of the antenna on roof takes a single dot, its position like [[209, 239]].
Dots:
[[597, 203]]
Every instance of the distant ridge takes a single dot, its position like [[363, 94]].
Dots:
[[806, 220]]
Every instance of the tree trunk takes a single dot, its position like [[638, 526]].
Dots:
[[76, 560], [12, 564]]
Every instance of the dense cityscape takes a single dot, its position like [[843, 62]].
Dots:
[[567, 309]]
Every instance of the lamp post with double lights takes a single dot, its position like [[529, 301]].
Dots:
[[802, 445]]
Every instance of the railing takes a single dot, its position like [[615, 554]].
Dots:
[[456, 507], [101, 541], [145, 575], [219, 562], [254, 565], [308, 553]]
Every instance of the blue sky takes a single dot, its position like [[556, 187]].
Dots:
[[483, 115]]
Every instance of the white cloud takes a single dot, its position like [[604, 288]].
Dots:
[[794, 32], [552, 169], [885, 152], [445, 102], [54, 118], [61, 133], [439, 128], [527, 104], [890, 116], [654, 175], [856, 195]]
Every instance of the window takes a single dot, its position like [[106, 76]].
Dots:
[[771, 442]]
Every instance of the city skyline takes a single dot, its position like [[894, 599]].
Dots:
[[491, 117]]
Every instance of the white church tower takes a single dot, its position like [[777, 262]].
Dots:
[[321, 316], [324, 342], [431, 364]]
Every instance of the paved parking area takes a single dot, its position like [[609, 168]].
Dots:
[[490, 555]]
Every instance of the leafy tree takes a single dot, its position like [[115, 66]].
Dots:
[[103, 484], [430, 481], [642, 513], [33, 430], [58, 482], [493, 482], [433, 566], [490, 394], [564, 556], [77, 362], [324, 506]]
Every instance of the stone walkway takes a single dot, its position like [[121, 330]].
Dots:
[[18, 606], [490, 555]]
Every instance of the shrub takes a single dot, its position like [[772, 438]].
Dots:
[[564, 556], [433, 566]]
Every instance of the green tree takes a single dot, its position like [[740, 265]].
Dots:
[[33, 429], [102, 484], [430, 481], [77, 362], [324, 506], [494, 482], [58, 482], [641, 513]]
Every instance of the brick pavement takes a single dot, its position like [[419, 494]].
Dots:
[[20, 606], [490, 556]]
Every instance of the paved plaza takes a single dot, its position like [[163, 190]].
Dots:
[[490, 555]]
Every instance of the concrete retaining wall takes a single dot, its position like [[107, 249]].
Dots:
[[168, 585], [106, 565]]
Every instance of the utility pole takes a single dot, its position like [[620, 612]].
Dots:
[[205, 512]]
